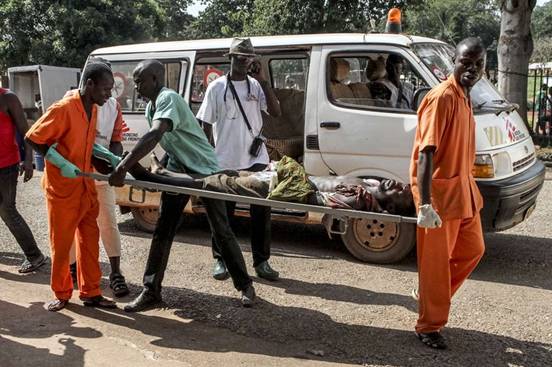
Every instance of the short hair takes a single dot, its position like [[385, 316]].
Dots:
[[473, 43], [153, 67], [100, 59], [96, 71]]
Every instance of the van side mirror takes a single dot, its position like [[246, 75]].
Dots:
[[418, 97]]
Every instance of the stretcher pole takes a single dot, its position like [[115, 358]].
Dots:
[[342, 214]]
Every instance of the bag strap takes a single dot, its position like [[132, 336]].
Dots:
[[235, 94]]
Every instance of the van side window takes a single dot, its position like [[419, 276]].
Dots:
[[288, 73], [205, 74], [285, 133], [372, 80], [123, 87]]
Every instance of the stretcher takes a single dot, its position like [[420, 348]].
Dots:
[[342, 216]]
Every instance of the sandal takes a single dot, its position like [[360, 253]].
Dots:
[[118, 284], [98, 301], [56, 305], [29, 266], [433, 340]]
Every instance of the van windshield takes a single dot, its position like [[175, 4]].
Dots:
[[439, 59]]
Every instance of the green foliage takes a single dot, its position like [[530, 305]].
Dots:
[[229, 18], [542, 51], [541, 21], [64, 32], [175, 18], [222, 18], [453, 20]]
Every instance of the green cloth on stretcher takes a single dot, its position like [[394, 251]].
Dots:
[[293, 184]]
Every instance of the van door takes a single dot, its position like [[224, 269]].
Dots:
[[366, 123], [178, 67]]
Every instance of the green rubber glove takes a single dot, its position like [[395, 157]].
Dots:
[[67, 168], [102, 152]]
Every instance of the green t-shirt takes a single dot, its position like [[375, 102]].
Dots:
[[186, 144]]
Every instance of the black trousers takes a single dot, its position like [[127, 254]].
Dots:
[[9, 214], [170, 211], [260, 227]]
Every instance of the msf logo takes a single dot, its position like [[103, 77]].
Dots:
[[514, 134]]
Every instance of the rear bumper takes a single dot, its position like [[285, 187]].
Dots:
[[510, 201]]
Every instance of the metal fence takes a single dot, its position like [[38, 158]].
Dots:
[[539, 105]]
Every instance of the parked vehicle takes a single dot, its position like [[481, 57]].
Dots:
[[38, 86], [335, 123]]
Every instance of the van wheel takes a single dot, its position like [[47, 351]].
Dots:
[[374, 241], [145, 218]]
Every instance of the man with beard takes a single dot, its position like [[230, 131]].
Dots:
[[450, 239]]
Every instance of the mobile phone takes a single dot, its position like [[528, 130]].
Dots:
[[254, 67]]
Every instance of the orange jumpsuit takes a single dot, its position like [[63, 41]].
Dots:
[[447, 255], [72, 203]]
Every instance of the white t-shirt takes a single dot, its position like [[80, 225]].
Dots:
[[105, 123], [231, 135]]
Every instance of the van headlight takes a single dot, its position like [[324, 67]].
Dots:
[[483, 167], [502, 164]]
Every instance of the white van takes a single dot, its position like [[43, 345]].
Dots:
[[336, 122]]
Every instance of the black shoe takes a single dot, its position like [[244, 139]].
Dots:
[[248, 296], [264, 270], [433, 340], [144, 301], [28, 266], [219, 270]]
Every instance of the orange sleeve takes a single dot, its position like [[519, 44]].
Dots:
[[117, 135], [432, 120], [50, 127]]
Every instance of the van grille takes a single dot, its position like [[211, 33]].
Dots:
[[524, 162]]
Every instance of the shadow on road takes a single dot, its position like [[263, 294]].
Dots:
[[509, 258], [218, 324], [34, 322], [342, 293], [254, 331]]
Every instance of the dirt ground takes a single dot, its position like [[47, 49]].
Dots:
[[328, 309]]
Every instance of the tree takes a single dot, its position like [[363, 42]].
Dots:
[[176, 19], [452, 21], [222, 18], [64, 32], [515, 47], [542, 52], [542, 21], [230, 18]]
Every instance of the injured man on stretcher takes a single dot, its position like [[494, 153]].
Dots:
[[289, 183]]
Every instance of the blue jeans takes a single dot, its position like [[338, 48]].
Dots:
[[9, 214]]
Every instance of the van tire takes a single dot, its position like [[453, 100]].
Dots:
[[145, 218], [374, 241]]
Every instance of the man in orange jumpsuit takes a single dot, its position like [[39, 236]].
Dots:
[[450, 239], [65, 135]]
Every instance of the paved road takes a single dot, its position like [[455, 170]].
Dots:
[[327, 310]]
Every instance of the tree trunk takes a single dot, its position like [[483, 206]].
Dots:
[[514, 50]]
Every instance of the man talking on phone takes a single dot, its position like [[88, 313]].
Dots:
[[231, 117]]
